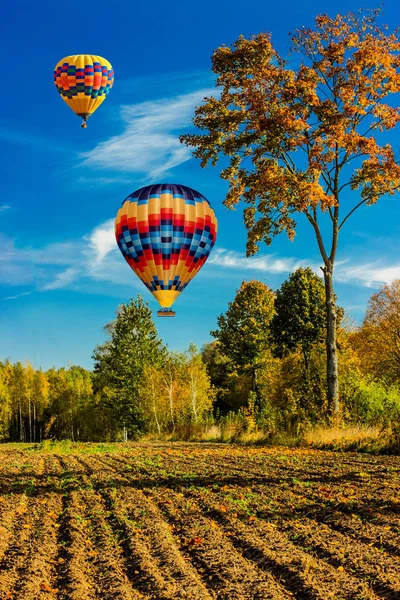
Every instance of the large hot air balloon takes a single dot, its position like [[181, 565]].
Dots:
[[83, 82], [166, 232]]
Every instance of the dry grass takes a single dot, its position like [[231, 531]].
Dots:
[[321, 436], [344, 438]]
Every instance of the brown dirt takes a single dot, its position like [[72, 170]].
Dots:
[[199, 522]]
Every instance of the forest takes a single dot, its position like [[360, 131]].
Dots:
[[263, 376]]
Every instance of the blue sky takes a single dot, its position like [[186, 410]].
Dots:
[[61, 273]]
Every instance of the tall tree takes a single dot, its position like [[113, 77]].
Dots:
[[119, 366], [300, 316], [244, 329], [329, 109]]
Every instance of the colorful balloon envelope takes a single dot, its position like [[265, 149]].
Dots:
[[166, 233], [83, 82]]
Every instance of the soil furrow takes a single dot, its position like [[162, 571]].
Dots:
[[211, 552], [110, 573], [166, 521], [364, 561], [261, 542], [156, 565], [40, 574], [17, 558]]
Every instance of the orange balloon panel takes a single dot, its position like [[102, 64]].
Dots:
[[166, 233]]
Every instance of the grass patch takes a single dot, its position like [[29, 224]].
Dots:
[[66, 447], [357, 438]]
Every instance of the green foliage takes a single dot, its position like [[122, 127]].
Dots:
[[369, 402], [243, 331], [120, 362], [300, 314]]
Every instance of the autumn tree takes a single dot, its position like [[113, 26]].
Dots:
[[244, 329], [197, 391], [171, 383], [378, 341], [298, 137], [5, 400], [19, 396], [119, 366], [300, 314], [154, 399]]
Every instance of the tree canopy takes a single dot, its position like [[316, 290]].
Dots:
[[133, 345], [297, 138], [300, 313]]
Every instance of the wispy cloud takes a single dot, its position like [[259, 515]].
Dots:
[[4, 207], [93, 258], [93, 263], [370, 275], [229, 259], [17, 296], [100, 181], [62, 279], [150, 143]]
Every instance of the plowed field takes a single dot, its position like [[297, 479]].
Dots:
[[158, 521]]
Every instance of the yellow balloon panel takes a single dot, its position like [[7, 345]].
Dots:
[[83, 81]]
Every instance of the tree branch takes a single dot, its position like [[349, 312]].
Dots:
[[351, 212], [314, 222]]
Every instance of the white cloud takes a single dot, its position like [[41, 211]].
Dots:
[[95, 264], [98, 181], [102, 240], [62, 279], [17, 296], [4, 207], [370, 274], [229, 259], [150, 143]]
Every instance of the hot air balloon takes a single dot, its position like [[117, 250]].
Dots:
[[165, 233], [83, 82]]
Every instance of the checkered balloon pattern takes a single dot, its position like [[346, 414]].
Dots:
[[83, 81], [166, 232]]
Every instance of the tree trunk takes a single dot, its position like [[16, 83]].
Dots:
[[306, 361], [193, 396], [21, 428], [253, 380], [331, 345], [34, 422], [254, 388], [155, 416], [171, 406], [30, 422]]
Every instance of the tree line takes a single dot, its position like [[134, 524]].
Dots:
[[265, 370], [137, 386]]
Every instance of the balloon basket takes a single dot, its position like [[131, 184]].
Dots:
[[165, 312]]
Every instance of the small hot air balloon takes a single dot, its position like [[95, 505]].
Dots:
[[83, 82], [165, 233]]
